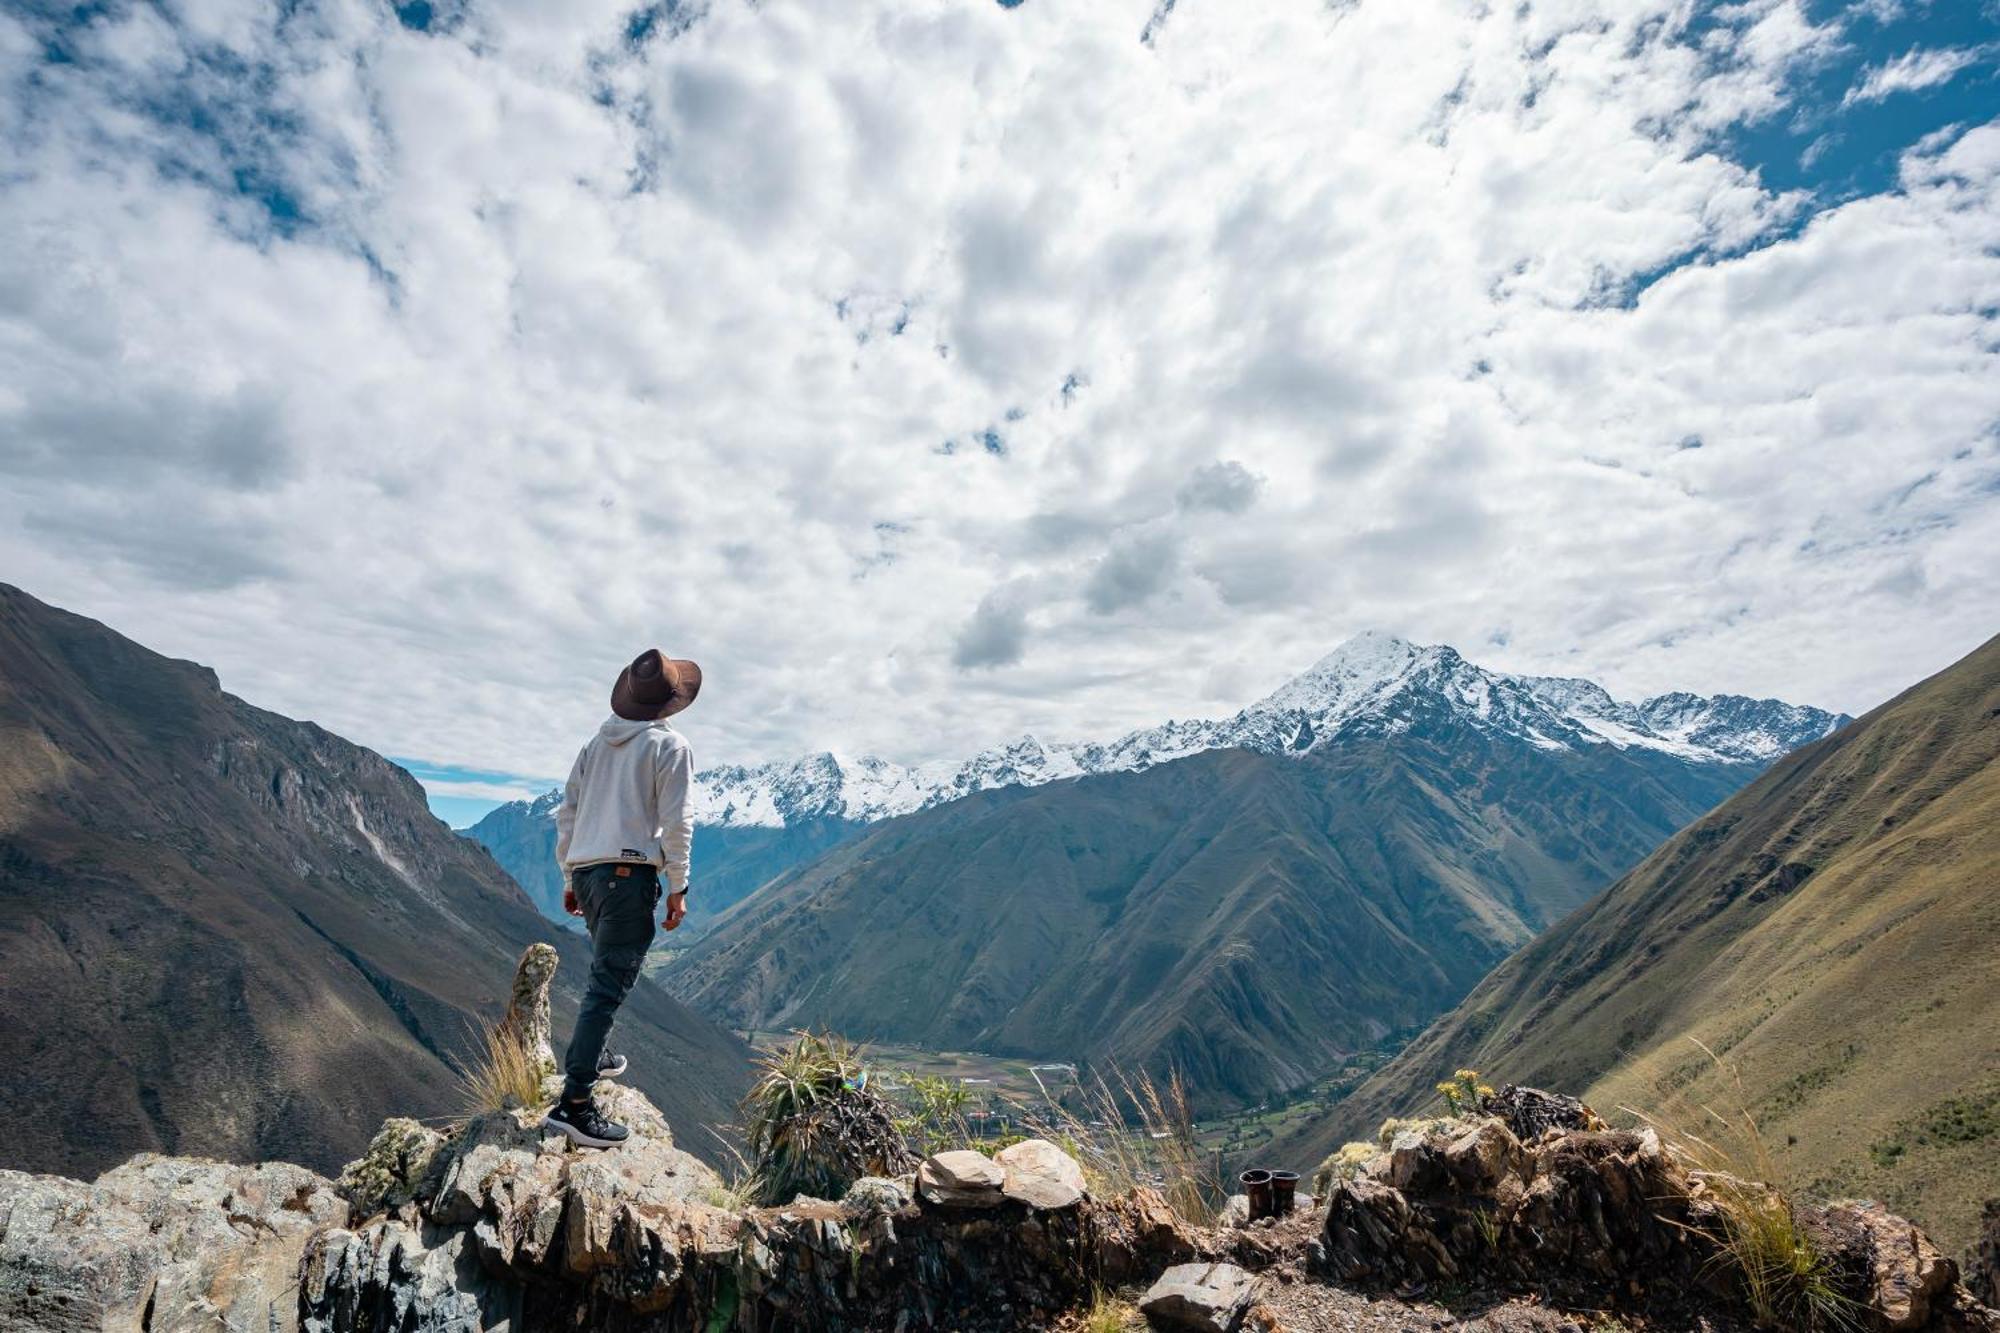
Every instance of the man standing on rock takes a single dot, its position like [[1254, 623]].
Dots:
[[624, 822]]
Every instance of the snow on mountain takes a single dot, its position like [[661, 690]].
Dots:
[[1374, 684]]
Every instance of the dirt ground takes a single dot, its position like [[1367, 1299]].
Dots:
[[1290, 1302]]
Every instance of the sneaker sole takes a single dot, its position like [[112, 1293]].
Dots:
[[578, 1136], [615, 1070]]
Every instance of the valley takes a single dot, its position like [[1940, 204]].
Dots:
[[1381, 832]]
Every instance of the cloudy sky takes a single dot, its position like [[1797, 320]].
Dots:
[[939, 370]]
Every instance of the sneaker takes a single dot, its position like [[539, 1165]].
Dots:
[[584, 1125], [609, 1065]]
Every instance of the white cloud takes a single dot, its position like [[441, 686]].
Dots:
[[1911, 71], [938, 371], [477, 790]]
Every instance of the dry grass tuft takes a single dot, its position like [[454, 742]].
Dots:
[[1786, 1281], [741, 1186], [503, 1076], [1134, 1134], [1106, 1313]]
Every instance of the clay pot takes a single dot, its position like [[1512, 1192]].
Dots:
[[1284, 1192], [1257, 1184]]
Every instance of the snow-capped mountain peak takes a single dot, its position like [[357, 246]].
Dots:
[[1374, 684], [1364, 667]]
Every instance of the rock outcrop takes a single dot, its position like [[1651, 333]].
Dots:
[[527, 1020], [500, 1223], [515, 1225], [1984, 1277], [169, 1245], [1599, 1215]]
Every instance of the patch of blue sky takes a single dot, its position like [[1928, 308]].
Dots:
[[1901, 71], [463, 796], [664, 18], [226, 121]]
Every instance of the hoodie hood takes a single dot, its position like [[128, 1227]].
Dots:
[[618, 730]]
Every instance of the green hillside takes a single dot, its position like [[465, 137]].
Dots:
[[1833, 932]]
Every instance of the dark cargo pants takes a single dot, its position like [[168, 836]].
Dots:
[[618, 903]]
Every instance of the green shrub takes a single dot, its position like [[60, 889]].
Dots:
[[937, 1121]]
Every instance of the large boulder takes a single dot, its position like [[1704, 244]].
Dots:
[[161, 1243], [1199, 1298], [1040, 1175]]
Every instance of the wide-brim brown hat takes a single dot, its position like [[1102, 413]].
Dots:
[[655, 686]]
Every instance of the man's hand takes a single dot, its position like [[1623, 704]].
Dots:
[[570, 904], [677, 908]]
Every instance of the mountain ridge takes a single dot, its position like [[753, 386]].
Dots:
[[1340, 693], [1374, 684], [230, 933]]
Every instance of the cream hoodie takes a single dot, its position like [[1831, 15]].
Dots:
[[627, 800]]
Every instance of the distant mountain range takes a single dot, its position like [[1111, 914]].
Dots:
[[1832, 933], [1247, 900], [1365, 688], [226, 933], [1355, 690]]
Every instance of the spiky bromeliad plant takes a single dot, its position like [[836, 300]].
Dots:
[[813, 1125]]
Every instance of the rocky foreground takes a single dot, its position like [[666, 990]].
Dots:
[[500, 1226], [1529, 1215]]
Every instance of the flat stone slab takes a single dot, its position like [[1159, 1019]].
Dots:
[[961, 1178], [1199, 1298], [1040, 1175]]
